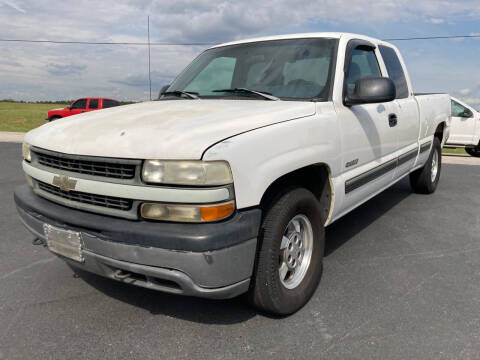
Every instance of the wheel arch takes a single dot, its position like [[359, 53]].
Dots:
[[440, 132], [316, 178]]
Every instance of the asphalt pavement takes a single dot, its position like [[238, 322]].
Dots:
[[401, 281]]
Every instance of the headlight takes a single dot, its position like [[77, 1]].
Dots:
[[187, 213], [26, 152], [187, 172]]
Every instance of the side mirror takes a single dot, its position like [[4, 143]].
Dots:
[[467, 114], [163, 90], [372, 90]]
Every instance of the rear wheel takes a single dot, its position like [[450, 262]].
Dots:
[[473, 151], [53, 118], [289, 261], [425, 180]]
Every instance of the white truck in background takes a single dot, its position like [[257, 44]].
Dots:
[[464, 128], [225, 184]]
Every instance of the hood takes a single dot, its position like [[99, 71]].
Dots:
[[168, 129]]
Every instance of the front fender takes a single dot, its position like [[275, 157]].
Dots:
[[261, 156], [51, 114]]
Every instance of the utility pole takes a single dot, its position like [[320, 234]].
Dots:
[[149, 71]]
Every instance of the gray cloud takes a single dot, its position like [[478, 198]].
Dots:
[[65, 69], [12, 5], [224, 20], [471, 97], [10, 63], [139, 81], [204, 20], [135, 80]]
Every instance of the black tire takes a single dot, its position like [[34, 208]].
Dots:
[[473, 151], [421, 179], [267, 292], [53, 118]]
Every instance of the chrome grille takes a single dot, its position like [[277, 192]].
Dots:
[[86, 198], [116, 170]]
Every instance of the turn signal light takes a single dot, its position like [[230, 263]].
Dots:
[[213, 213], [187, 213]]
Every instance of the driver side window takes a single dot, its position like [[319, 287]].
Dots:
[[80, 104], [364, 64]]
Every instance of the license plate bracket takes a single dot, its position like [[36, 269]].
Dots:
[[63, 242]]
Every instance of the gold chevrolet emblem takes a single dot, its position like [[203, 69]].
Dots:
[[64, 182]]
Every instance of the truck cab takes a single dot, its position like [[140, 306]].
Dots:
[[81, 106]]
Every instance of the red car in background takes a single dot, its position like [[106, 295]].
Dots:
[[80, 106]]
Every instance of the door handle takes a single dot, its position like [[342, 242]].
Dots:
[[392, 120]]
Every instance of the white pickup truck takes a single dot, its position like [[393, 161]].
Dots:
[[464, 128], [224, 185]]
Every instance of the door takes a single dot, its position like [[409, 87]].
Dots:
[[405, 110], [368, 141], [78, 107], [92, 104], [462, 126]]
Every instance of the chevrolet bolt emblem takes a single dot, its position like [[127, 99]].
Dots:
[[64, 182]]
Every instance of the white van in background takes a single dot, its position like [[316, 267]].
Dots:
[[464, 128]]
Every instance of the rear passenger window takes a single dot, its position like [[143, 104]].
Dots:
[[395, 70], [109, 103], [364, 64], [93, 104]]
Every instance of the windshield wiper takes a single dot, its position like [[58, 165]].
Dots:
[[245, 90], [189, 94]]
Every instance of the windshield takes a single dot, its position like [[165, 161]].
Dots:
[[296, 69]]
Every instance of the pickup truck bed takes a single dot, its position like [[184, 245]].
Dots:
[[432, 109]]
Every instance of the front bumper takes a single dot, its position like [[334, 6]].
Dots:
[[206, 260]]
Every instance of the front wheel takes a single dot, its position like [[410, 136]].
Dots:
[[425, 180], [289, 261], [473, 151]]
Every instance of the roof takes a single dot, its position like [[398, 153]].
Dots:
[[330, 35]]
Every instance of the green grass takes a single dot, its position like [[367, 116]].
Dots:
[[23, 117], [460, 151]]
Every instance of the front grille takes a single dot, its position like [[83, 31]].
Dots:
[[116, 170], [85, 198]]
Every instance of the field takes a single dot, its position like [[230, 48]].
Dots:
[[22, 117]]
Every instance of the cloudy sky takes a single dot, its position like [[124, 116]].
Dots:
[[51, 71]]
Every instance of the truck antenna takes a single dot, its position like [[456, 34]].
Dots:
[[149, 72]]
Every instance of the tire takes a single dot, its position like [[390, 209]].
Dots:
[[268, 292], [473, 151], [53, 118], [425, 180]]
